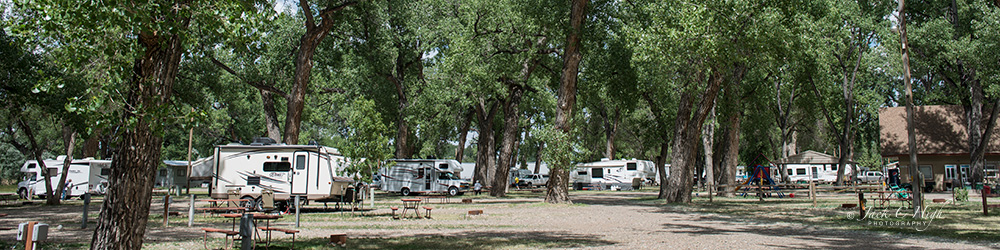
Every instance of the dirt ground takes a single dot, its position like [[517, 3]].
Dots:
[[601, 220]]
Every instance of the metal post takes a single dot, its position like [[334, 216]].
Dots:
[[246, 231], [191, 212], [982, 191], [297, 210], [86, 203]]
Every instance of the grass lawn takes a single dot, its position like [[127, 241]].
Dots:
[[8, 188]]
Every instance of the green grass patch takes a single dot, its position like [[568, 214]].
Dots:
[[8, 188]]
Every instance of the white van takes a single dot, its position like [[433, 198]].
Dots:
[[423, 176]]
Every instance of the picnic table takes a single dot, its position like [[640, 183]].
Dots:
[[410, 204], [889, 196], [217, 205]]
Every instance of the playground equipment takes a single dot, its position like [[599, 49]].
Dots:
[[760, 178]]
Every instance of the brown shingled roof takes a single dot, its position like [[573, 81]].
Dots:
[[940, 129]]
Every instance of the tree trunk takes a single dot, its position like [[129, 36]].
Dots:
[[558, 192], [974, 120], [661, 168], [270, 116], [485, 155], [689, 122], [730, 155], [36, 152], [69, 141], [464, 132], [910, 128], [125, 209], [707, 137], [538, 157], [303, 64], [509, 142], [92, 144], [610, 131]]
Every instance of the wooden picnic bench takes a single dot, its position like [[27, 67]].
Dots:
[[283, 230], [9, 197], [229, 234], [888, 196]]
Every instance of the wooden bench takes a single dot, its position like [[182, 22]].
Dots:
[[222, 209], [427, 211], [283, 230], [229, 234], [475, 212], [9, 197]]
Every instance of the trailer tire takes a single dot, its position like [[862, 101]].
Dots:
[[405, 191], [23, 193], [452, 191], [251, 204]]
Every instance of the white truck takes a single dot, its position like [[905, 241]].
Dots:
[[308, 171], [613, 174], [85, 176], [411, 176], [534, 180]]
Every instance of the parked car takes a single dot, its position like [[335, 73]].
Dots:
[[534, 180], [871, 176]]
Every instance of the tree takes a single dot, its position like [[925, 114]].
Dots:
[[557, 187], [310, 40]]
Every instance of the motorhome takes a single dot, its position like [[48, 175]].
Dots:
[[307, 171], [613, 174], [423, 176], [85, 176]]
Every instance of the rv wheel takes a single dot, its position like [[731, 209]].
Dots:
[[405, 192], [452, 191], [251, 204], [23, 193]]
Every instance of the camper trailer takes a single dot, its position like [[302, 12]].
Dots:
[[423, 176], [87, 175], [308, 171], [608, 174]]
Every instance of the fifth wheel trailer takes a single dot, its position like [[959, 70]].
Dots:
[[308, 171], [606, 174]]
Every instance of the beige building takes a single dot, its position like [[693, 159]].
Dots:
[[942, 144]]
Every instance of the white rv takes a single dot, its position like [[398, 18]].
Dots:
[[86, 176], [423, 176], [606, 174], [308, 171]]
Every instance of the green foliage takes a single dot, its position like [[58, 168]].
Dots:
[[560, 150], [961, 194], [366, 142]]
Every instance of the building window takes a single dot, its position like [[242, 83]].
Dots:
[[181, 173], [277, 166]]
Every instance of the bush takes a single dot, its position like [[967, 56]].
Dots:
[[961, 194]]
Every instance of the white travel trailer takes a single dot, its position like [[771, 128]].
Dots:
[[811, 166], [423, 176], [86, 176], [606, 174], [308, 171]]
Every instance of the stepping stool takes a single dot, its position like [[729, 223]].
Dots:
[[394, 212], [427, 212]]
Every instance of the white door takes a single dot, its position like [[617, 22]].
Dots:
[[300, 173]]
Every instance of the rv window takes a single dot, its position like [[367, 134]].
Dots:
[[300, 162], [630, 166], [53, 172], [790, 172], [447, 176], [276, 166], [443, 166], [253, 180], [31, 165], [581, 173], [106, 171], [800, 171], [597, 173]]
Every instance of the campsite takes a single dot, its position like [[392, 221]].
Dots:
[[499, 124]]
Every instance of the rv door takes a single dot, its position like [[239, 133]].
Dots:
[[300, 173]]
